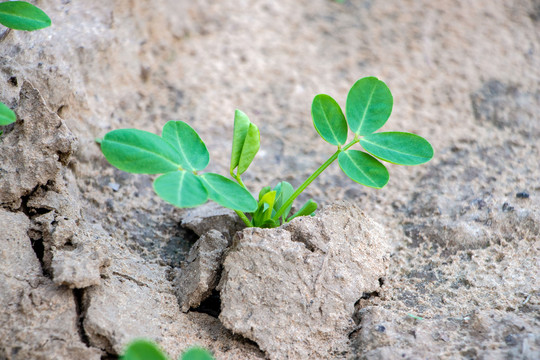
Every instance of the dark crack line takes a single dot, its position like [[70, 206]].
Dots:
[[80, 309]]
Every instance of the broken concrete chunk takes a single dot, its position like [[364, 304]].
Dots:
[[212, 216], [200, 274], [292, 290]]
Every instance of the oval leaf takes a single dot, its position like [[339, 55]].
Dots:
[[193, 153], [398, 147], [284, 191], [369, 105], [143, 350], [251, 146], [308, 209], [181, 188], [329, 120], [363, 168], [197, 353], [139, 152], [241, 126], [20, 15], [227, 193], [7, 116]]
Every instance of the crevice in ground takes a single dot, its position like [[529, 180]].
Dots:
[[78, 295], [211, 305], [366, 299], [80, 309], [34, 233]]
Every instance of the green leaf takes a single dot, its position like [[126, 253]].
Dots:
[[241, 126], [143, 350], [7, 116], [284, 190], [308, 209], [329, 120], [264, 209], [246, 142], [263, 191], [139, 152], [270, 224], [227, 193], [20, 15], [193, 153], [197, 353], [250, 149], [398, 147], [181, 188], [363, 168], [369, 105]]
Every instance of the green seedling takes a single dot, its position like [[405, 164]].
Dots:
[[180, 154], [20, 15], [147, 350]]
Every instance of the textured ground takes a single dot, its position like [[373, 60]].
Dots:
[[465, 265]]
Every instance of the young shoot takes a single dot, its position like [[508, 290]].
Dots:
[[180, 155]]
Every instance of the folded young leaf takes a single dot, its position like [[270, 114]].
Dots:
[[398, 147], [143, 349], [139, 152], [20, 15], [329, 120], [369, 105], [263, 191], [181, 188], [227, 193], [308, 209], [264, 209], [251, 146], [7, 116], [363, 168], [241, 126], [192, 151], [246, 143]]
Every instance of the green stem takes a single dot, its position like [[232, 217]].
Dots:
[[313, 176], [238, 212], [244, 218]]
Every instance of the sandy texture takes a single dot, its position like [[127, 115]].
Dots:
[[465, 228]]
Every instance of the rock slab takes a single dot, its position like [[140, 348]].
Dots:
[[292, 290]]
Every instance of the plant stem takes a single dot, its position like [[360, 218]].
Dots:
[[313, 176], [238, 212], [244, 218]]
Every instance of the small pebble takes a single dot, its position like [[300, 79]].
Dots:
[[506, 207], [510, 340], [522, 195], [114, 186], [380, 328]]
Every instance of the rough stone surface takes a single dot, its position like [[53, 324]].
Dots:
[[463, 74], [200, 274], [145, 306], [39, 146], [38, 319], [211, 216], [292, 290]]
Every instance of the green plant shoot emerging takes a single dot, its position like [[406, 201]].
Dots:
[[180, 154], [147, 350]]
